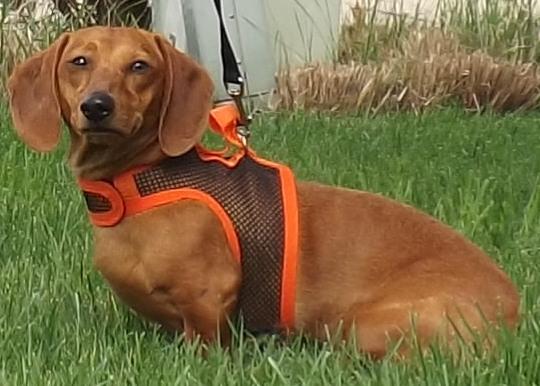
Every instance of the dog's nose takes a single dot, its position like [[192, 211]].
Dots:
[[97, 106]]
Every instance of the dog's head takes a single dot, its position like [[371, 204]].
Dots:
[[111, 85]]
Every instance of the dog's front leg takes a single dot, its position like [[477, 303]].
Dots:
[[209, 321]]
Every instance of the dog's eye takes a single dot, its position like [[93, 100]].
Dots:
[[139, 66], [80, 61]]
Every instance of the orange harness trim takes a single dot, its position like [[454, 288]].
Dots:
[[122, 198]]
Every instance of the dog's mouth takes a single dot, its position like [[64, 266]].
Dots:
[[102, 132]]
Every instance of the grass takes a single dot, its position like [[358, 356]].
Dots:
[[431, 71], [60, 325], [501, 28], [481, 54]]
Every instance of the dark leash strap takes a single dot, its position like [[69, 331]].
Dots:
[[232, 76]]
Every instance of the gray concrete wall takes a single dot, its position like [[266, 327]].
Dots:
[[303, 30]]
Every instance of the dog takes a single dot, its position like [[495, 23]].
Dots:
[[379, 271]]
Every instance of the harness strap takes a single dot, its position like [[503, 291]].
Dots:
[[223, 121]]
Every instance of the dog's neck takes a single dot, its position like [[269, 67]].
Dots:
[[103, 160]]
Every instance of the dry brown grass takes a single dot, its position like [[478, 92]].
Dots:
[[22, 34], [430, 68], [480, 53]]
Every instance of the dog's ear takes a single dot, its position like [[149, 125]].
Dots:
[[186, 102], [33, 98]]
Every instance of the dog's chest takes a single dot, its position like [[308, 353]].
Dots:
[[133, 266]]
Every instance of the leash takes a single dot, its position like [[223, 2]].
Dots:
[[232, 78]]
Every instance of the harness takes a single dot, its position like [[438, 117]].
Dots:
[[253, 198]]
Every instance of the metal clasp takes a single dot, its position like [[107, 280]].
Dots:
[[236, 92]]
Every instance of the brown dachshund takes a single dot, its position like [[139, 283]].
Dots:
[[367, 264]]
